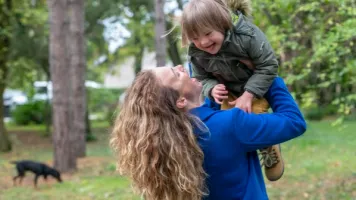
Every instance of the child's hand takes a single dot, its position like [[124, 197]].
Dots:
[[219, 93], [244, 102]]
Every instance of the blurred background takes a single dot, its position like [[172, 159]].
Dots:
[[64, 67]]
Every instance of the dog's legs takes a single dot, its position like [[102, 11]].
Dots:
[[20, 173], [21, 177], [45, 178], [35, 181], [14, 179]]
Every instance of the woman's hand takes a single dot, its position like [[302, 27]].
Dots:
[[244, 102]]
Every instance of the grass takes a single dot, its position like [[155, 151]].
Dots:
[[41, 128], [85, 188], [95, 179], [320, 165]]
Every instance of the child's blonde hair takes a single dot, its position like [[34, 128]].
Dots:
[[201, 16]]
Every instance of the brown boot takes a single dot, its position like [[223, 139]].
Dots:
[[273, 162]]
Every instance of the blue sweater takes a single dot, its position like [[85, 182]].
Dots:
[[230, 157]]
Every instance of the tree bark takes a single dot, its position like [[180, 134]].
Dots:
[[172, 49], [138, 60], [64, 155], [77, 66], [5, 143], [160, 27], [139, 54], [180, 4], [173, 53], [88, 133]]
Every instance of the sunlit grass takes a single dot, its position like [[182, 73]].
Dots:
[[319, 165], [41, 127]]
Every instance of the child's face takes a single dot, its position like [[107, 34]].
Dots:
[[209, 41]]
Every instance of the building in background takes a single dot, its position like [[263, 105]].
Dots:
[[122, 75]]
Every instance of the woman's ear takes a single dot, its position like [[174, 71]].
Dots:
[[181, 102]]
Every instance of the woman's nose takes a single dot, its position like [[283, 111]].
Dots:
[[180, 68]]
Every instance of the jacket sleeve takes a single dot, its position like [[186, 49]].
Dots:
[[207, 79], [265, 63], [255, 131]]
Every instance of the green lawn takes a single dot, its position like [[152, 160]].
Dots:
[[319, 165]]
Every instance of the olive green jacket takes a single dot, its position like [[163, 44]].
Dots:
[[244, 41]]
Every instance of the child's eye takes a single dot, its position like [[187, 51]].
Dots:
[[208, 33]]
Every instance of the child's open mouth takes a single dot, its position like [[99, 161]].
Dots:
[[210, 47]]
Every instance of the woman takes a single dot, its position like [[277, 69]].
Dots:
[[164, 147]]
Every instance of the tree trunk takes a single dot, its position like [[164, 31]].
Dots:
[[138, 60], [160, 27], [180, 4], [64, 155], [5, 144], [174, 53], [77, 66], [172, 49], [47, 110], [88, 133], [139, 54]]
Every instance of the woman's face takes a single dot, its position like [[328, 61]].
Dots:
[[178, 79]]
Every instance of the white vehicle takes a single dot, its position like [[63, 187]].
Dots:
[[44, 89], [12, 98]]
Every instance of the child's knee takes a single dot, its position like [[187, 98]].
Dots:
[[260, 106]]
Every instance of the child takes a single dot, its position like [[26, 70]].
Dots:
[[232, 60]]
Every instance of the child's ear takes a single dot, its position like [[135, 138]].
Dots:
[[181, 102]]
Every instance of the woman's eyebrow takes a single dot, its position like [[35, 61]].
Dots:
[[175, 74]]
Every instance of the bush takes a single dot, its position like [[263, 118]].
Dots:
[[351, 116], [31, 113], [91, 138], [330, 110], [318, 113], [314, 114], [104, 101]]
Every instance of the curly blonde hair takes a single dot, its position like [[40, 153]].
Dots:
[[155, 144]]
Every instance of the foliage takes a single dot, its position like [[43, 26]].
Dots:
[[30, 113], [29, 43], [315, 42], [101, 99], [318, 113], [104, 102]]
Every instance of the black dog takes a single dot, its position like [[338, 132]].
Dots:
[[39, 169]]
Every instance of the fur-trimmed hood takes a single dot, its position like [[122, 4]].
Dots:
[[243, 6]]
